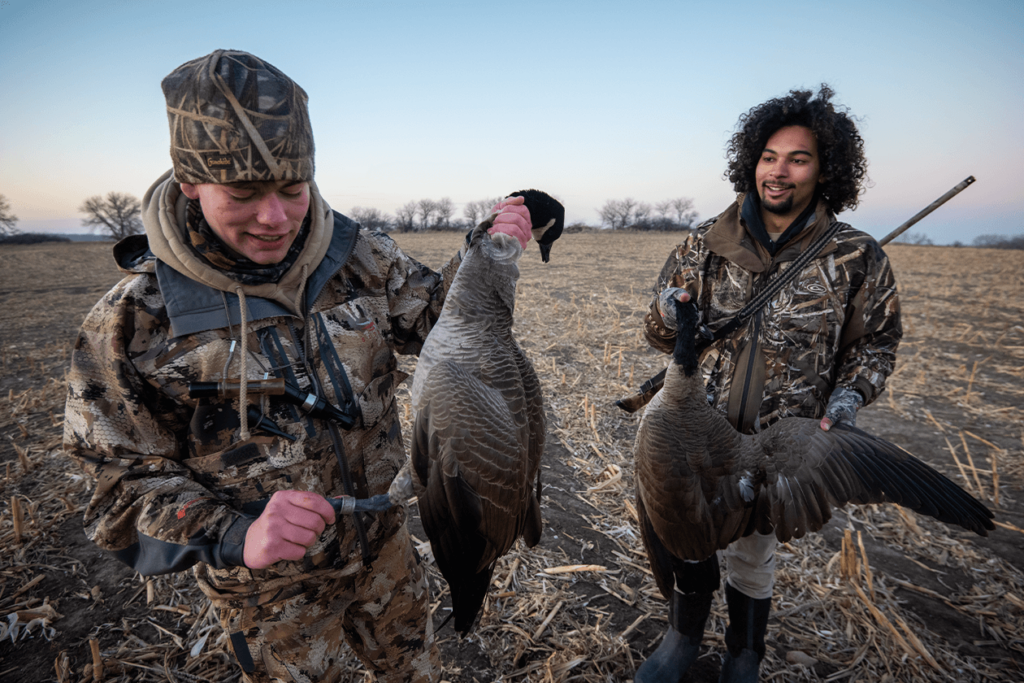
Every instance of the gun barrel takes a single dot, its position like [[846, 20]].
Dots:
[[927, 210]]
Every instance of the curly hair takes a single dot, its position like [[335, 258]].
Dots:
[[844, 169]]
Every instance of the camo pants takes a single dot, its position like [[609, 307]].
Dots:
[[381, 611]]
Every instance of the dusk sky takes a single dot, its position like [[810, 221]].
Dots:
[[590, 101]]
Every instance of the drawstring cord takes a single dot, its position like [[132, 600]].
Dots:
[[243, 388]]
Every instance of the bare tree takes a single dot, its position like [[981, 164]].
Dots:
[[405, 217], [7, 219], [479, 210], [372, 219], [678, 213], [618, 213], [426, 207], [444, 208], [642, 216], [117, 215]]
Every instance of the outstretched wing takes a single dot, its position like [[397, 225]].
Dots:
[[808, 471]]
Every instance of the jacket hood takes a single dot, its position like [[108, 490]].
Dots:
[[730, 239], [163, 215]]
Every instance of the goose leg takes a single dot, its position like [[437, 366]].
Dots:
[[744, 638]]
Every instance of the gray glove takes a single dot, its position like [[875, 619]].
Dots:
[[667, 306], [842, 407]]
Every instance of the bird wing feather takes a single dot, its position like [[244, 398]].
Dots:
[[809, 471]]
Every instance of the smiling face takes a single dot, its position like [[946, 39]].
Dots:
[[786, 175], [257, 220]]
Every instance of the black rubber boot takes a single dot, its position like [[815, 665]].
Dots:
[[744, 638], [687, 614]]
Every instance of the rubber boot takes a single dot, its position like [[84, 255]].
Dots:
[[687, 614], [744, 638]]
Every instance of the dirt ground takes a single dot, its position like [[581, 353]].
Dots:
[[906, 598]]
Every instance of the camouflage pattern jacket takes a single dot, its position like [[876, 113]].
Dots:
[[837, 323], [175, 483]]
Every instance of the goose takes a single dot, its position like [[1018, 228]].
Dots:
[[478, 424], [702, 485]]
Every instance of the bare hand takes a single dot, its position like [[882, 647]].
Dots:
[[513, 219], [288, 526]]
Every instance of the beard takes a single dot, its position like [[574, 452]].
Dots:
[[780, 208]]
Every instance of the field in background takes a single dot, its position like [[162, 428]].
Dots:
[[910, 599]]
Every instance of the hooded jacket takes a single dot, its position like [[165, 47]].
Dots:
[[837, 323], [176, 484]]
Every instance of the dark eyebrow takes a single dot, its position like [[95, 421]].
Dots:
[[799, 151]]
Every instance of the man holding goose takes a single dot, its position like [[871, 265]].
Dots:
[[820, 347]]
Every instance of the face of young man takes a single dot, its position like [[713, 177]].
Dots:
[[257, 220], [787, 174]]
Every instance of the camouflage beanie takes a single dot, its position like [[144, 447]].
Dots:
[[236, 118]]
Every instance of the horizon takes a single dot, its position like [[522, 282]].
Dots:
[[589, 101]]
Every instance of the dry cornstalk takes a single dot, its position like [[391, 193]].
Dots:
[[97, 660], [884, 621], [963, 472], [848, 564], [917, 644], [18, 519], [867, 567], [575, 568], [29, 586], [547, 620], [970, 460]]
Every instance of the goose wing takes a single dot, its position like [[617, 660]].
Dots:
[[807, 471], [533, 524]]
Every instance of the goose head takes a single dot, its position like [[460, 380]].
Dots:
[[548, 217], [688, 326]]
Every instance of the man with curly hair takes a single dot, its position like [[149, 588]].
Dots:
[[821, 348]]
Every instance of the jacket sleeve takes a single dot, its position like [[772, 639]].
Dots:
[[128, 434], [683, 268], [415, 296], [872, 330]]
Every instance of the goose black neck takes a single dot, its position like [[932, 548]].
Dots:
[[685, 354]]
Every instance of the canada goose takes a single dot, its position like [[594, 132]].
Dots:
[[701, 484], [478, 431]]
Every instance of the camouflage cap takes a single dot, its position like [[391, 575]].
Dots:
[[237, 118]]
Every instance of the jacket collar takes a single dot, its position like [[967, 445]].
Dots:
[[730, 238], [193, 306]]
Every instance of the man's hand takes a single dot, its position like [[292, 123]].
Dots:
[[842, 407], [513, 219], [291, 522], [667, 306]]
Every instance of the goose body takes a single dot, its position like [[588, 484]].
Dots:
[[702, 485], [478, 431]]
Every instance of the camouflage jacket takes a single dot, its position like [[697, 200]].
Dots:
[[175, 484], [837, 323]]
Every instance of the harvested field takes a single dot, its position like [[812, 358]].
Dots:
[[881, 595]]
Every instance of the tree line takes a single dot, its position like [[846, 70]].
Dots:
[[119, 215]]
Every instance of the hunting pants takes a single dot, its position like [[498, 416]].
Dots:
[[382, 612], [750, 564]]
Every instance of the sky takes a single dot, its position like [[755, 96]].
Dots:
[[588, 100]]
